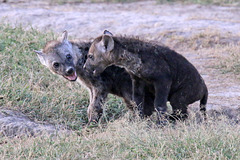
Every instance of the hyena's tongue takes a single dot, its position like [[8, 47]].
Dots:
[[73, 77]]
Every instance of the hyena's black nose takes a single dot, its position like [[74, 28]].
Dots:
[[70, 71]]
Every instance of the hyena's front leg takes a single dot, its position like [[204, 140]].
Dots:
[[138, 92], [90, 92], [162, 89], [95, 107]]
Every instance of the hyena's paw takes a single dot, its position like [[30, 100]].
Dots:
[[94, 115]]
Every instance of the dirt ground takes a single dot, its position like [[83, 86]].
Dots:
[[146, 20]]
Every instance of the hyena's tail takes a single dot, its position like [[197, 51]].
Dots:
[[203, 103]]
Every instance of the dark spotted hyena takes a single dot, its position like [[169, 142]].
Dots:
[[173, 77], [67, 58]]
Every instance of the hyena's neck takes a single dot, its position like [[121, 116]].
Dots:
[[80, 49], [130, 61]]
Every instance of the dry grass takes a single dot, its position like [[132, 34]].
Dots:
[[133, 140], [206, 39], [28, 86], [229, 58], [223, 47]]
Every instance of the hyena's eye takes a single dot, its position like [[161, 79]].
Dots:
[[90, 56], [56, 65], [69, 57]]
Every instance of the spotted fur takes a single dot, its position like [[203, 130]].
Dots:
[[172, 76]]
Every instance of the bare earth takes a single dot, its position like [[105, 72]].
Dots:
[[146, 20]]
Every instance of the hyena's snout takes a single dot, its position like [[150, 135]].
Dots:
[[88, 68], [70, 71], [70, 74]]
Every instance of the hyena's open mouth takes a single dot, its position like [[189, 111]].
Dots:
[[72, 77]]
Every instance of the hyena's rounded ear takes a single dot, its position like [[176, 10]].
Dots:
[[107, 41], [106, 32], [41, 56], [64, 36]]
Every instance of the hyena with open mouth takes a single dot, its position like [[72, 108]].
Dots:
[[66, 58], [174, 78]]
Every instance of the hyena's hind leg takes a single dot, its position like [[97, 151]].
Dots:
[[203, 103], [179, 103], [95, 107], [182, 98]]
